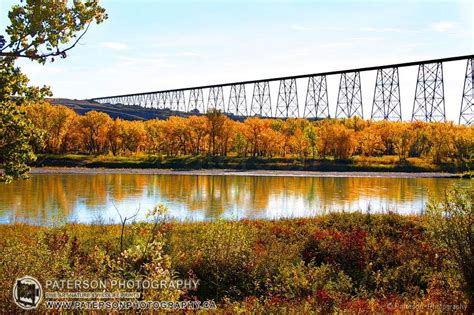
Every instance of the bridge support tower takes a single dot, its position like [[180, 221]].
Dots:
[[349, 98], [237, 100], [261, 103], [316, 105], [467, 104], [429, 94], [387, 103]]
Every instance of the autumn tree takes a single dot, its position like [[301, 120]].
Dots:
[[370, 142], [421, 139], [215, 126], [226, 137], [155, 135], [402, 137], [53, 121], [115, 136], [271, 143], [253, 129], [95, 126], [463, 139], [298, 143], [325, 136], [134, 136], [337, 140], [198, 132]]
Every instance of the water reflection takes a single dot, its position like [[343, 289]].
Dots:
[[86, 197]]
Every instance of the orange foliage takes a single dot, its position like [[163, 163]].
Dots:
[[216, 134]]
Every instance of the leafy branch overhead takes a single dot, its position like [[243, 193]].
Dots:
[[42, 30]]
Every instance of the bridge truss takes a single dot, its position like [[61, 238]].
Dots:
[[428, 105]]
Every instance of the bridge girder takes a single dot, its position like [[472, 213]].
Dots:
[[428, 105]]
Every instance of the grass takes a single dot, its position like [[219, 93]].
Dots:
[[339, 262], [356, 164]]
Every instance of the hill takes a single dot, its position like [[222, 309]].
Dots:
[[126, 112]]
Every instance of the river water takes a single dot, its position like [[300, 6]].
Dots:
[[54, 198]]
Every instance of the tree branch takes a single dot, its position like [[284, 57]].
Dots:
[[43, 56]]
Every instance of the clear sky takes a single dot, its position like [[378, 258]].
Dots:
[[155, 45]]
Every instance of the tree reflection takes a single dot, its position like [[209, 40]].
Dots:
[[60, 195]]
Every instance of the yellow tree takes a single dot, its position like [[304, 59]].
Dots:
[[370, 142], [336, 139], [344, 142], [155, 135], [198, 132], [95, 127], [441, 137], [215, 127], [180, 132], [401, 137], [115, 136], [226, 137], [325, 136], [464, 143], [61, 120], [73, 140], [253, 129]]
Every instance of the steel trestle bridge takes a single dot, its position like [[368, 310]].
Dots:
[[428, 104]]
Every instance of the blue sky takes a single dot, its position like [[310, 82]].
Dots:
[[154, 45]]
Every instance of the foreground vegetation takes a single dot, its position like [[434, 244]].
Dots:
[[350, 262]]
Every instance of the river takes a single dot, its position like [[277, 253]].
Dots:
[[85, 198]]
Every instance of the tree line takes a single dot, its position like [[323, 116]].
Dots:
[[215, 134]]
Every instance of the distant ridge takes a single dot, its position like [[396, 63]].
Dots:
[[118, 111]]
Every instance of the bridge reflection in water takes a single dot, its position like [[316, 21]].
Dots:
[[85, 198]]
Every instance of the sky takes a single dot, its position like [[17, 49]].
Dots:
[[156, 45]]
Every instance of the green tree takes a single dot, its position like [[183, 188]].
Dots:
[[16, 137], [17, 134], [40, 31], [311, 136]]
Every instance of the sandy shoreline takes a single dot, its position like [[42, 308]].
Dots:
[[232, 172]]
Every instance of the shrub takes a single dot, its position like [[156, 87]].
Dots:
[[452, 224], [300, 280], [225, 260], [347, 250]]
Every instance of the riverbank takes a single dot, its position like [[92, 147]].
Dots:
[[351, 262], [384, 164], [232, 172]]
